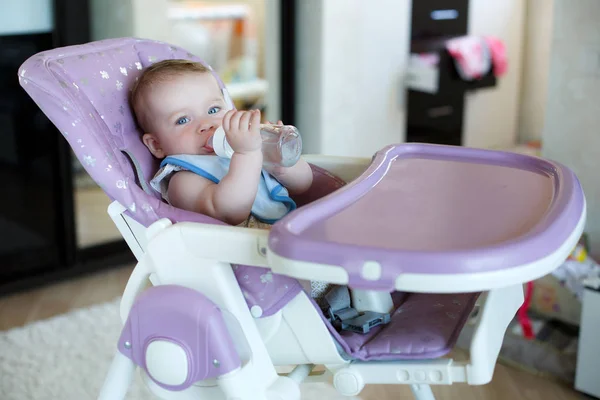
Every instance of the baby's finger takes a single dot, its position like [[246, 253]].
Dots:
[[227, 120], [245, 120], [235, 119], [256, 118], [280, 122]]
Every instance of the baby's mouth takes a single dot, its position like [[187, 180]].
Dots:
[[208, 146]]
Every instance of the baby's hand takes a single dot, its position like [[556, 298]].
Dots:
[[242, 129]]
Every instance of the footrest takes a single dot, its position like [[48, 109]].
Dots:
[[422, 326]]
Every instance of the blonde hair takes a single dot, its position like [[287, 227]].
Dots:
[[160, 72]]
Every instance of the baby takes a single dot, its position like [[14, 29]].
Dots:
[[179, 105]]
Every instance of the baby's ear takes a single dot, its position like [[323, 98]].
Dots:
[[153, 145]]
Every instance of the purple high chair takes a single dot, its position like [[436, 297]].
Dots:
[[434, 229]]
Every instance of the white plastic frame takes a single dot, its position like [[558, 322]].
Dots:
[[194, 255]]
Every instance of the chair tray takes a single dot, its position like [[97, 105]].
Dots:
[[432, 209]]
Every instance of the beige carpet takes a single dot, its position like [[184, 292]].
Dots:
[[67, 357]]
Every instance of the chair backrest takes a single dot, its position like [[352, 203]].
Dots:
[[84, 90]]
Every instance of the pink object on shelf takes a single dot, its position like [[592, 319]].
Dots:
[[474, 56], [471, 56], [498, 53]]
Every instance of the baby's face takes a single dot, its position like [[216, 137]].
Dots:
[[183, 112]]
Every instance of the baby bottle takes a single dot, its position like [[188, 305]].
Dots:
[[281, 144]]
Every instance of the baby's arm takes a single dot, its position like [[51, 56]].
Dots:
[[297, 179], [231, 200]]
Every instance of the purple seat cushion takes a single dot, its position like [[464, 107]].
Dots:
[[423, 326]]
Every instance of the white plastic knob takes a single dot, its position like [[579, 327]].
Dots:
[[348, 383], [167, 362]]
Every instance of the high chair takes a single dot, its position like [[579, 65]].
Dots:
[[213, 311]]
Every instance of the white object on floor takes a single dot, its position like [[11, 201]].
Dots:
[[586, 374], [66, 357], [574, 273]]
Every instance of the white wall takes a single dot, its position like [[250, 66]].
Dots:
[[491, 115], [139, 18], [536, 65], [573, 107], [350, 63]]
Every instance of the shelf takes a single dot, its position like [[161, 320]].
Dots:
[[201, 12], [247, 90]]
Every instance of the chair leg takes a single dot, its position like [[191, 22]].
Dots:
[[119, 378], [422, 392]]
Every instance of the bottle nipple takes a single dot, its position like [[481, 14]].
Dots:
[[218, 142]]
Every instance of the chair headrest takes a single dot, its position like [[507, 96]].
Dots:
[[84, 90]]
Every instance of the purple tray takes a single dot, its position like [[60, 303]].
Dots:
[[433, 209]]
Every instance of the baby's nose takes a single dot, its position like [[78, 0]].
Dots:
[[207, 127]]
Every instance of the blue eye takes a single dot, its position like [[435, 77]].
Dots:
[[214, 110], [182, 120]]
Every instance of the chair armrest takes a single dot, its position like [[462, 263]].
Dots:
[[228, 244], [219, 243]]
